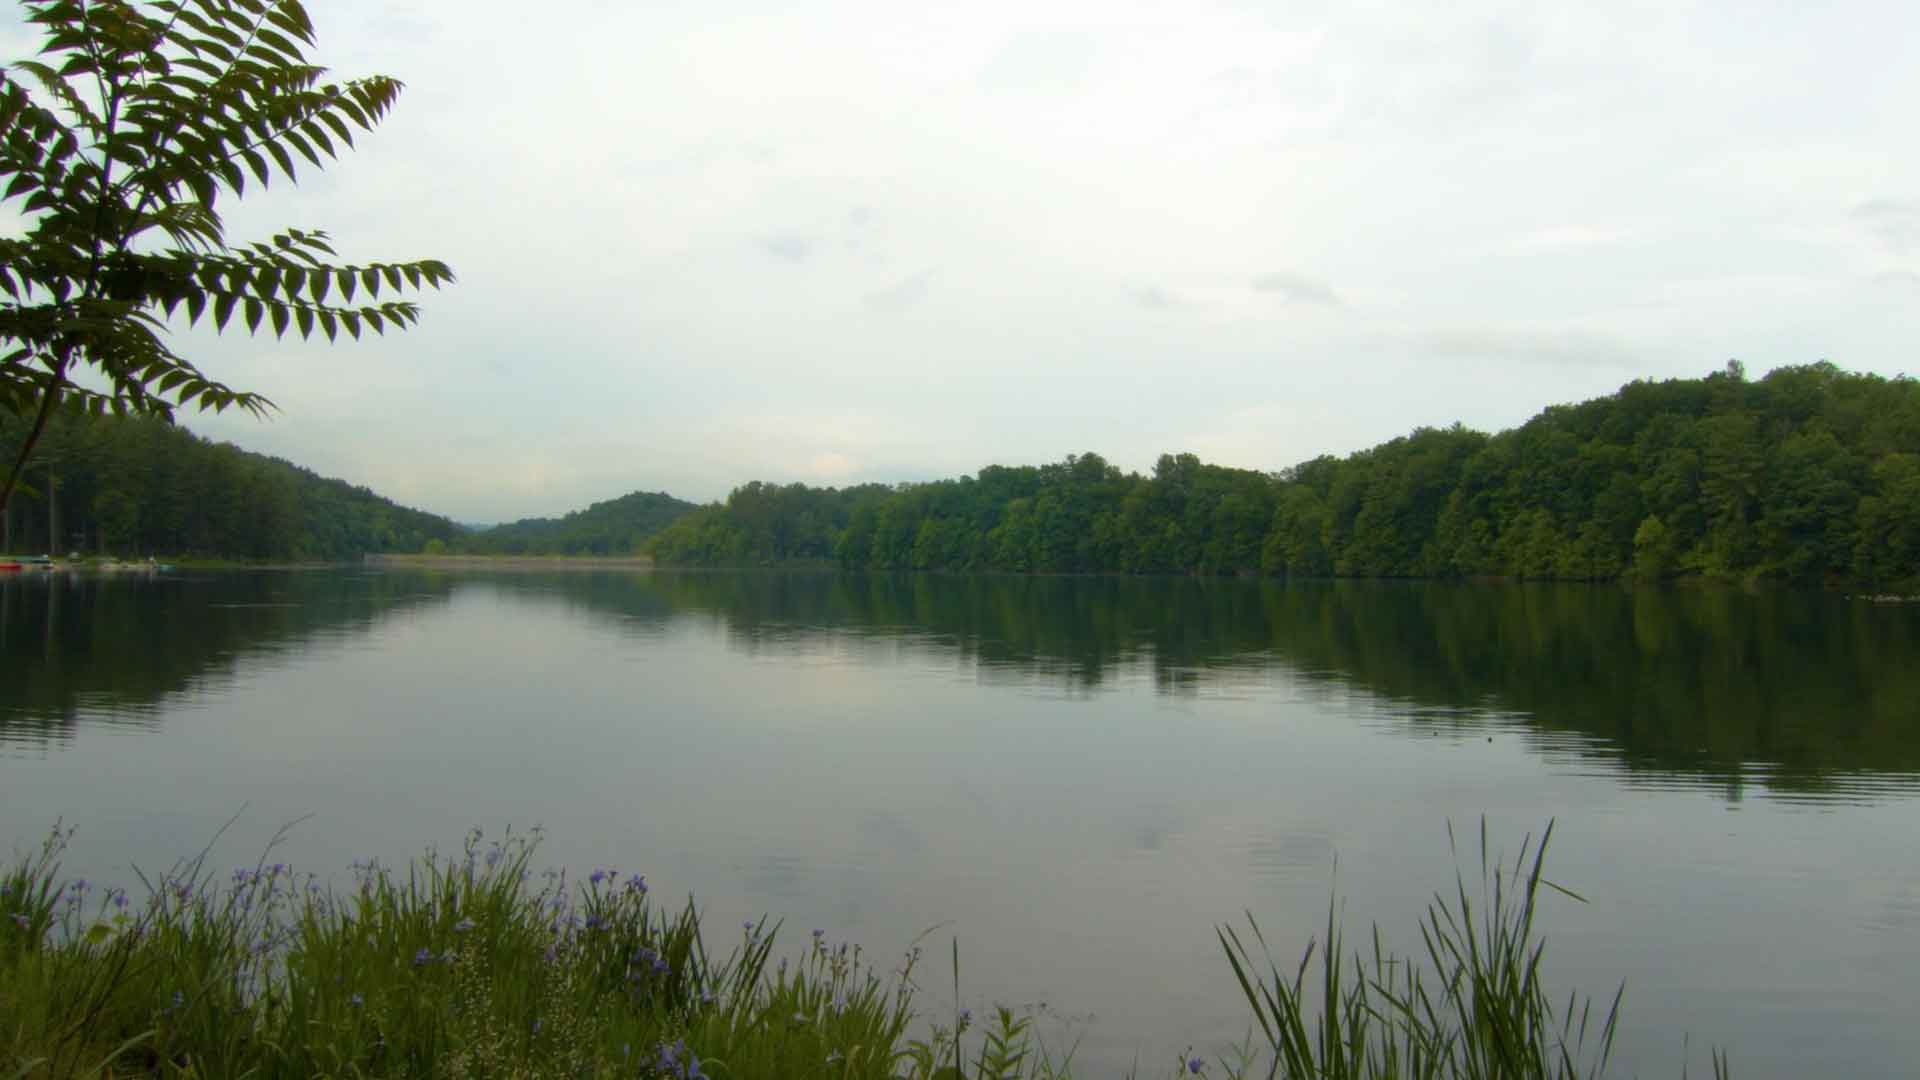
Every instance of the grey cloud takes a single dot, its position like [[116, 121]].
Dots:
[[1297, 288], [1895, 222], [1157, 299], [861, 229], [1561, 348], [902, 294], [793, 247]]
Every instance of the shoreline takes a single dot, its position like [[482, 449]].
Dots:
[[512, 562]]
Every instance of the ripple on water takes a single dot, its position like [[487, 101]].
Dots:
[[1287, 855]]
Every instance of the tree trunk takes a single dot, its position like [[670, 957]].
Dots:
[[53, 514]]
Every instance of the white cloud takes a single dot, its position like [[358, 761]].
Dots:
[[1040, 60], [1509, 345], [1568, 238]]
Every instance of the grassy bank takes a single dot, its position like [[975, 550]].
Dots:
[[479, 965]]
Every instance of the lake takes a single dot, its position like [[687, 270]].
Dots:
[[1077, 778]]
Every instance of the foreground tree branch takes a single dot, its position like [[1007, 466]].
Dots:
[[116, 144]]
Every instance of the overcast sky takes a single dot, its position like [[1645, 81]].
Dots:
[[705, 243]]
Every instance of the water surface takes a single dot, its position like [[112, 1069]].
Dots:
[[1076, 777]]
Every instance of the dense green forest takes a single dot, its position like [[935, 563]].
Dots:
[[615, 527], [1809, 474], [136, 486]]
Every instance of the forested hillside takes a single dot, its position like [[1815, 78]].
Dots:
[[1809, 474], [132, 487], [615, 527]]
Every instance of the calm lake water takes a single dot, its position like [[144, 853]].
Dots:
[[1077, 778]]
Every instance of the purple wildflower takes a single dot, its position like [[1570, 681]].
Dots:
[[463, 926], [1194, 1065], [597, 876], [356, 1000], [423, 957]]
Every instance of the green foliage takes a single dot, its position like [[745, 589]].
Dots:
[[1652, 549], [615, 527], [1805, 475], [140, 486], [116, 146]]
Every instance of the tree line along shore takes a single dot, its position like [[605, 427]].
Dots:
[[1809, 475]]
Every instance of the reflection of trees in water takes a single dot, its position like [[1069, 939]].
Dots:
[[119, 646], [1801, 688], [1699, 681], [1807, 692]]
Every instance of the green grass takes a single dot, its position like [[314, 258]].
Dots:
[[475, 965]]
